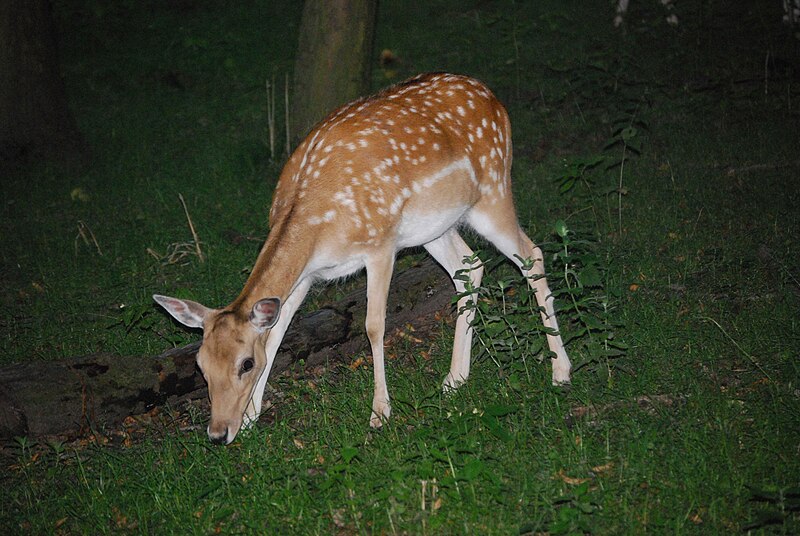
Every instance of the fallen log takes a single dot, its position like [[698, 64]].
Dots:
[[74, 396]]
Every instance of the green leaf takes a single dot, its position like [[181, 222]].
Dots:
[[560, 227], [499, 410], [471, 470], [348, 453], [493, 425], [567, 185]]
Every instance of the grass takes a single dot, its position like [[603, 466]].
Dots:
[[689, 427]]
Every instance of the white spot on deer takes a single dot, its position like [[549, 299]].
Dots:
[[362, 142], [479, 132], [461, 111], [325, 218], [345, 198], [436, 146]]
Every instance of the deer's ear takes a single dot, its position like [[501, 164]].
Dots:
[[265, 313], [190, 314]]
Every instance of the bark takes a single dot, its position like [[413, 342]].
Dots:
[[34, 117], [332, 66], [75, 396]]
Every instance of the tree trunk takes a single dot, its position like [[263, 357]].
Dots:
[[332, 66], [73, 396], [34, 117]]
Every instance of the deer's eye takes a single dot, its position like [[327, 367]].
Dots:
[[246, 366]]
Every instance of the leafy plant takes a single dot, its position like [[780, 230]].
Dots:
[[506, 310], [142, 317], [572, 514], [586, 302]]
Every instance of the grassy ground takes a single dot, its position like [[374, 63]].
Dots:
[[669, 154]]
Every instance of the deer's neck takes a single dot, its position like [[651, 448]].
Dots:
[[278, 267]]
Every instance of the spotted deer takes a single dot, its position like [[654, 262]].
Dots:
[[406, 167]]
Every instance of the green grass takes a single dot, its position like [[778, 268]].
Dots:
[[696, 277]]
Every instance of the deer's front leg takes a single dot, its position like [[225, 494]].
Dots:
[[273, 342], [379, 275]]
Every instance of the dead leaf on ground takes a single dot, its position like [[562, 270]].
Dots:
[[561, 475]]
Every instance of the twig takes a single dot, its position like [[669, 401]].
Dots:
[[619, 191], [286, 112], [271, 116], [191, 228], [772, 166], [736, 344], [85, 233]]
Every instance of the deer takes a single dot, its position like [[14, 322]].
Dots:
[[622, 10], [409, 166]]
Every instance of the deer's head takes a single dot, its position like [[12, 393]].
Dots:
[[231, 358]]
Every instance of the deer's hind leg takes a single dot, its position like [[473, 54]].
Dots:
[[449, 250], [500, 227]]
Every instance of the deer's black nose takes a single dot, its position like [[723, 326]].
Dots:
[[219, 439]]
